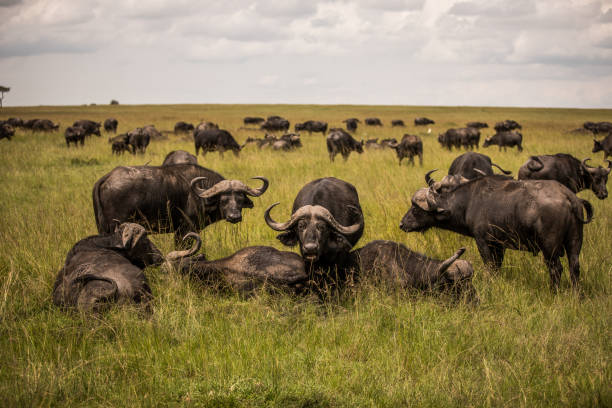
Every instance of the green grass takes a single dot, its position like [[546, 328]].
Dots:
[[522, 346]]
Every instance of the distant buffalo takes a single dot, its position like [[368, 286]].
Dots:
[[467, 137], [110, 125], [74, 134], [477, 125], [598, 127], [423, 121], [312, 126], [398, 123], [6, 131], [253, 120], [604, 144], [505, 139], [183, 127], [373, 122], [340, 142], [275, 123], [410, 146], [44, 125], [507, 126], [119, 144], [213, 140], [89, 126], [138, 139], [351, 124]]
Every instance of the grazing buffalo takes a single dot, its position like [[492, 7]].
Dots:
[[467, 137], [373, 122], [110, 125], [183, 127], [472, 165], [351, 124], [339, 141], [392, 263], [507, 126], [567, 170], [103, 269], [477, 125], [398, 122], [43, 125], [138, 139], [528, 215], [312, 126], [598, 127], [169, 198], [6, 130], [410, 146], [89, 126], [212, 140], [179, 157], [326, 221], [253, 120], [505, 139], [204, 125], [74, 134], [275, 123], [423, 122], [605, 145]]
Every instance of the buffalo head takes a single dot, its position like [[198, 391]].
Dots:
[[315, 228], [228, 197], [597, 146], [131, 239], [599, 178]]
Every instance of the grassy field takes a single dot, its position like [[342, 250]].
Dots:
[[521, 346]]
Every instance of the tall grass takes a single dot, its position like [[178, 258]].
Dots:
[[522, 346]]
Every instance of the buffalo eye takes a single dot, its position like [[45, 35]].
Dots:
[[302, 225], [320, 226]]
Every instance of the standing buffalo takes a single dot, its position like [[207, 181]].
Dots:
[[467, 137], [179, 157], [567, 170], [183, 127], [6, 131], [275, 123], [505, 139], [74, 134], [394, 264], [373, 122], [253, 120], [351, 124], [312, 126], [110, 125], [472, 165], [326, 221], [339, 141], [138, 139], [212, 140], [423, 122], [605, 145], [506, 126], [168, 198], [89, 126], [477, 125], [410, 146], [598, 127], [398, 122], [204, 125], [528, 215]]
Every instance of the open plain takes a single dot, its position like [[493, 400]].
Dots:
[[522, 345]]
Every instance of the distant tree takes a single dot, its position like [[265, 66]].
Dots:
[[3, 89], [114, 102]]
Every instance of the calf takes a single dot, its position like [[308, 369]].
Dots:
[[505, 139], [605, 145], [339, 141]]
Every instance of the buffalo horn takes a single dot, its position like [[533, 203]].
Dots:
[[392, 144], [444, 266], [256, 192], [428, 178], [482, 173], [431, 202], [188, 252], [232, 185], [584, 162], [609, 165], [309, 210], [276, 226], [535, 164], [197, 190]]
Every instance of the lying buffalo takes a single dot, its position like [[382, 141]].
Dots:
[[567, 170], [42, 125], [211, 140], [598, 127], [505, 139], [326, 221], [110, 125], [528, 215], [169, 198], [340, 142], [423, 122], [472, 165], [394, 264], [253, 120], [104, 269], [410, 146], [183, 127], [477, 125], [351, 124], [179, 157], [312, 126], [398, 123], [507, 126], [605, 145], [373, 122]]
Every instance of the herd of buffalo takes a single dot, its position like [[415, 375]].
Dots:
[[538, 212]]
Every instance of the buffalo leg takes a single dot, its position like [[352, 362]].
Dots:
[[95, 295], [492, 254], [553, 263], [421, 159], [572, 249]]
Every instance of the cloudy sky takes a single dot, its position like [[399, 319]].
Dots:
[[396, 52]]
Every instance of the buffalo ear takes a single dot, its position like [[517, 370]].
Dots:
[[247, 203], [342, 242], [288, 238]]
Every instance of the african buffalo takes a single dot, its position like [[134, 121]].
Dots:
[[312, 126], [392, 263], [505, 139], [339, 141], [373, 122], [179, 157], [120, 144], [410, 146], [472, 165], [477, 125], [598, 127], [528, 215], [89, 126], [6, 131], [372, 144], [212, 140], [605, 145], [351, 124], [138, 139], [253, 120], [423, 121], [110, 125], [183, 127], [326, 221], [289, 141], [507, 126], [204, 125], [15, 122], [43, 125], [275, 123], [466, 137], [169, 198], [398, 122], [567, 170], [74, 134]]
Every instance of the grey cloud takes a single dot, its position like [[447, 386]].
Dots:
[[393, 5], [606, 17], [285, 8], [9, 3], [498, 8], [43, 46]]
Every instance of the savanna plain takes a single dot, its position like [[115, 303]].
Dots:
[[521, 345]]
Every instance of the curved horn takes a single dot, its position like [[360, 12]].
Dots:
[[482, 173], [584, 162], [197, 190], [392, 144], [188, 252], [535, 164], [609, 163], [431, 202], [428, 178], [218, 188], [256, 192], [506, 172], [277, 226], [324, 213], [444, 266]]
